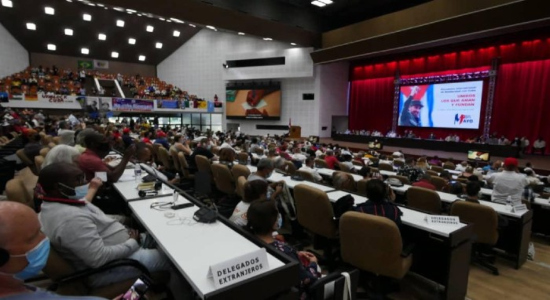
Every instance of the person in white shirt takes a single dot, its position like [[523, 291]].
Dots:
[[539, 146], [253, 190], [309, 167], [462, 166], [508, 183], [298, 155], [448, 138], [531, 176]]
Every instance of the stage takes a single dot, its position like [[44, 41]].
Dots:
[[540, 163]]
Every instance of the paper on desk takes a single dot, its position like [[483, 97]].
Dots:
[[261, 104], [127, 177]]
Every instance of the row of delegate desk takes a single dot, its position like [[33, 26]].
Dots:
[[495, 150]]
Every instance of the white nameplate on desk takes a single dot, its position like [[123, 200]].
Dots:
[[443, 220], [239, 268], [519, 208]]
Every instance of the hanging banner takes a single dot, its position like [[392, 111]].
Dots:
[[85, 64], [101, 64], [48, 101], [133, 105]]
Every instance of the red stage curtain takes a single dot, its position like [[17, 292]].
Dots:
[[371, 104], [522, 101]]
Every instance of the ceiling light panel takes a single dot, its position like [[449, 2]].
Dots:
[[87, 17], [101, 36], [52, 47], [141, 58], [68, 31], [326, 1], [131, 41], [7, 3], [31, 26], [114, 54], [49, 10], [176, 33], [85, 51], [119, 23], [318, 3], [158, 45], [149, 28]]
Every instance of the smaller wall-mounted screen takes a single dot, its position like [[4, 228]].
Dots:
[[478, 155], [253, 102]]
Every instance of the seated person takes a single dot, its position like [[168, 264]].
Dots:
[[472, 195], [425, 182], [309, 167], [97, 147], [253, 190], [161, 139], [83, 234], [181, 144], [462, 166], [531, 176], [298, 155], [27, 253], [33, 146], [203, 148], [144, 157], [380, 195], [61, 153], [227, 157], [508, 183], [469, 171], [330, 159], [410, 171], [262, 222], [265, 170]]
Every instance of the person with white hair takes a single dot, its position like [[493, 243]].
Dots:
[[80, 145], [67, 138], [61, 153]]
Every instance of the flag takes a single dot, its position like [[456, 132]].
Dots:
[[101, 64], [85, 64], [289, 123]]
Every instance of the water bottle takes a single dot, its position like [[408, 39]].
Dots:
[[137, 172]]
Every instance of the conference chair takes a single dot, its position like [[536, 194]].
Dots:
[[343, 181], [403, 179], [184, 167], [203, 176], [357, 163], [314, 212], [51, 145], [56, 140], [241, 181], [242, 157], [449, 165], [462, 180], [223, 179], [260, 151], [333, 286], [432, 173], [26, 161], [156, 148], [485, 221], [374, 170], [398, 163], [240, 170], [362, 187], [320, 163], [38, 161], [216, 150], [437, 169], [44, 151], [288, 167], [175, 160], [68, 281], [423, 199], [345, 168], [373, 244], [305, 175], [16, 191], [439, 183], [385, 167], [164, 159]]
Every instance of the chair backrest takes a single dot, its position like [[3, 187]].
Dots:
[[403, 179], [56, 268], [462, 180], [432, 173], [240, 170], [362, 187], [24, 158], [484, 218], [437, 169], [289, 168], [320, 163], [38, 161], [44, 151], [399, 163], [345, 168], [242, 157], [241, 181], [203, 164], [216, 150], [314, 211], [371, 243], [374, 170], [184, 166], [357, 163], [164, 158], [449, 166], [56, 140], [343, 181], [260, 151], [438, 182], [175, 160], [223, 178], [305, 175], [424, 199], [156, 148], [16, 191], [385, 167]]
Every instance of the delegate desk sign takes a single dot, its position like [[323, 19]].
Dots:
[[239, 268]]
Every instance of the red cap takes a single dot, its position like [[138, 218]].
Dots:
[[510, 161], [161, 134], [126, 130]]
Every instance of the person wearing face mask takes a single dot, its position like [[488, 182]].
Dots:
[[84, 235], [24, 251], [262, 222], [97, 147], [264, 171]]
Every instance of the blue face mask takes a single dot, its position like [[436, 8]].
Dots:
[[37, 258], [79, 191]]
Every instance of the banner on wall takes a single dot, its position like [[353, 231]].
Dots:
[[101, 64], [48, 101], [132, 105], [85, 64]]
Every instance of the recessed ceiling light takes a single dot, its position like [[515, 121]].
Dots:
[[131, 10], [177, 20], [31, 26], [210, 27], [49, 10], [87, 17], [114, 54], [68, 31], [318, 3], [139, 15], [51, 47], [101, 36], [100, 5], [7, 3], [241, 33], [130, 13], [268, 39], [176, 33], [106, 7], [192, 25], [90, 4], [326, 1], [131, 41], [119, 23], [162, 19], [69, 0], [118, 8], [85, 51], [150, 28], [158, 45], [168, 21], [293, 44], [141, 58]]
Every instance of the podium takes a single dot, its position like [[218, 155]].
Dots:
[[295, 132]]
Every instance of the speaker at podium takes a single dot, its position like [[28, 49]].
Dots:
[[295, 132]]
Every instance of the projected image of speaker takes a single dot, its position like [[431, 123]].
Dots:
[[254, 102], [474, 155]]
